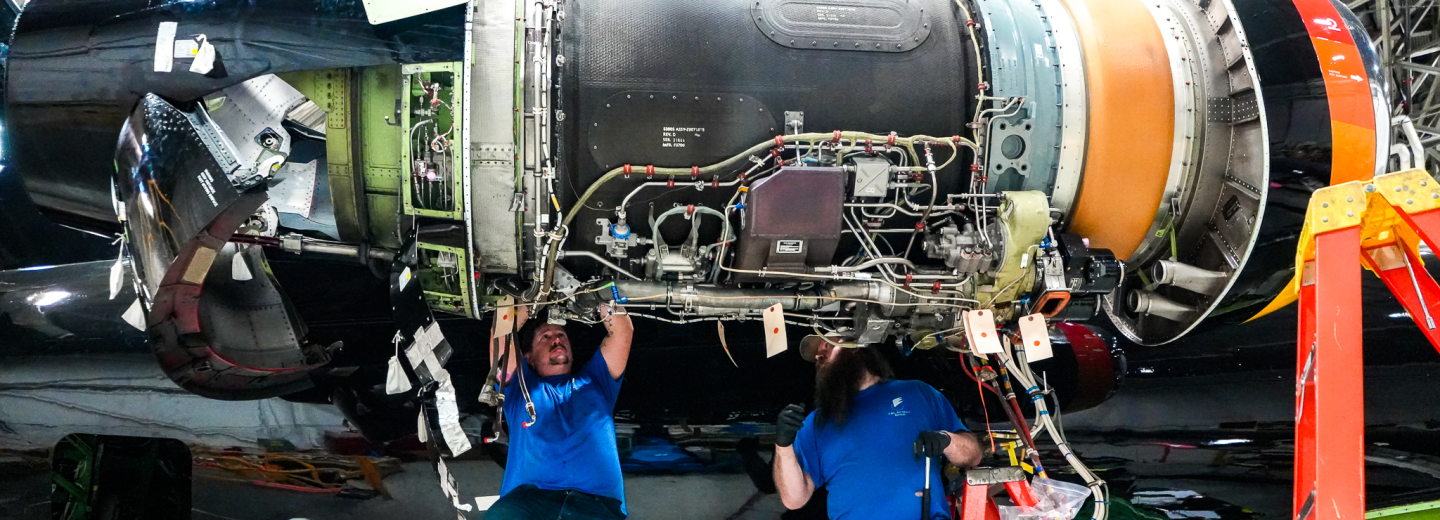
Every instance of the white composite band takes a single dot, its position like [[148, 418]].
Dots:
[[1075, 112], [1185, 79]]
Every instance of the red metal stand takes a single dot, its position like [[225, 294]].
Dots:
[[1379, 225]]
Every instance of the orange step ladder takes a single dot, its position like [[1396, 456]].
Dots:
[[1378, 224]]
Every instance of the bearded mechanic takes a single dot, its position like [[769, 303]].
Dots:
[[563, 463], [866, 437]]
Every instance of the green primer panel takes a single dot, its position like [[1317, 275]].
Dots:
[[380, 145], [1421, 511], [330, 90]]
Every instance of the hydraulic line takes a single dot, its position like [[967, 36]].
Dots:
[[729, 164]]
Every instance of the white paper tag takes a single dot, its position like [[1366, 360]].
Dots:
[[165, 46], [396, 382], [720, 328], [404, 278], [117, 274], [238, 270], [135, 315], [1036, 337], [980, 329], [204, 58], [774, 331], [504, 317], [421, 432], [186, 48]]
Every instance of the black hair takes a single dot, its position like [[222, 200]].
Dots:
[[525, 337]]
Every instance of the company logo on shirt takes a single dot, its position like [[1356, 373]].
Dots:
[[897, 407]]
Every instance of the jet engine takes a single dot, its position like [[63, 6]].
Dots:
[[863, 168]]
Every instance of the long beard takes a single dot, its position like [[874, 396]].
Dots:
[[836, 385]]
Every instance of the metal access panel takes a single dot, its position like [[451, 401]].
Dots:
[[432, 166]]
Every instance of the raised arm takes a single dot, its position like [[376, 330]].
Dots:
[[616, 346], [791, 480]]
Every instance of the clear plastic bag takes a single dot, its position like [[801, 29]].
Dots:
[[1056, 500]]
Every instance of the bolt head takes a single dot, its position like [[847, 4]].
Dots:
[[1409, 201], [1349, 213], [1326, 219], [1369, 188], [1324, 204]]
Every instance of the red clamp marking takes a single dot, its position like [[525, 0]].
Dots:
[[919, 226], [775, 152], [890, 141], [869, 147], [935, 289], [670, 183], [969, 23], [715, 182], [956, 139], [983, 86], [780, 141], [626, 170], [649, 171], [690, 210], [975, 167], [909, 277], [694, 172], [919, 177], [836, 139]]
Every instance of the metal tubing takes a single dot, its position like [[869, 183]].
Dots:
[[601, 260], [746, 299], [1189, 277]]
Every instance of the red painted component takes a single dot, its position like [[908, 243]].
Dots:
[[1096, 380], [975, 167], [670, 183], [779, 141], [1021, 493], [649, 171], [935, 289], [836, 139], [694, 172], [715, 183], [626, 170], [690, 209], [973, 506], [909, 277], [1329, 438]]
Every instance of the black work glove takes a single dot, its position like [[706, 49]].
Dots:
[[789, 423], [931, 444]]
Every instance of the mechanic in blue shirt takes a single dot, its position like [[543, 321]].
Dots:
[[865, 439], [563, 463]]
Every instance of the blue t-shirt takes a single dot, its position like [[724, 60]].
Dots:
[[572, 443], [868, 465]]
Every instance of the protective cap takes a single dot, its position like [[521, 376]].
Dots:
[[811, 344]]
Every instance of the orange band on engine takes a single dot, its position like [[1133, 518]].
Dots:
[[1131, 123]]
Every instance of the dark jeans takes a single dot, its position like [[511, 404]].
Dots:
[[528, 502]]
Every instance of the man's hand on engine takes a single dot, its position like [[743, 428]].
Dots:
[[788, 425], [931, 444]]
